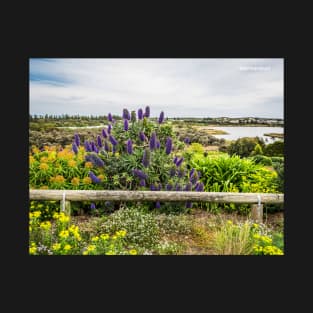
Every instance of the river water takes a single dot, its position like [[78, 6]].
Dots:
[[235, 132]]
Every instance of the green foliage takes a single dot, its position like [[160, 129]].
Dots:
[[61, 237], [232, 239], [245, 146], [246, 239], [262, 159], [279, 168], [233, 174], [47, 208], [142, 228], [274, 149], [257, 150], [174, 224]]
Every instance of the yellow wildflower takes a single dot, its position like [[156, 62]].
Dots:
[[52, 156], [44, 159], [63, 218], [95, 239], [87, 180], [71, 163], [229, 222], [45, 225], [64, 234], [36, 214], [67, 247], [43, 166], [32, 248], [59, 179], [56, 247], [75, 181], [89, 249], [121, 233], [44, 187], [104, 236], [88, 165], [110, 252], [35, 149], [101, 177], [31, 159], [132, 252]]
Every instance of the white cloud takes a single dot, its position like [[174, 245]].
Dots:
[[180, 87]]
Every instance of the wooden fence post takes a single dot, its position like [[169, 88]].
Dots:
[[66, 207], [257, 212]]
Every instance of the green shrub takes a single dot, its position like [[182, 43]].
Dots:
[[232, 239], [262, 159], [233, 174], [174, 224], [245, 146], [274, 149], [141, 228]]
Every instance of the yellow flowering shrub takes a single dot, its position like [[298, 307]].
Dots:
[[60, 237]]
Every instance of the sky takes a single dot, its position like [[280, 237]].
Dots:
[[179, 87]]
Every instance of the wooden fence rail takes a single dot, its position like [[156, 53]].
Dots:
[[65, 196]]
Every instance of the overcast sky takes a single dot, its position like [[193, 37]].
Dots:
[[179, 87]]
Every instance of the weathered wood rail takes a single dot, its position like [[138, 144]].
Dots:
[[65, 196]]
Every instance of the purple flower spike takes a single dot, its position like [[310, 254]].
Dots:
[[181, 173], [87, 146], [93, 147], [140, 174], [199, 186], [142, 183], [146, 158], [92, 206], [140, 114], [112, 140], [179, 162], [104, 133], [169, 187], [124, 115], [153, 141], [106, 146], [77, 140], [152, 187], [188, 205], [168, 145], [126, 125], [99, 141], [161, 118], [178, 187], [97, 161], [157, 205], [191, 172], [109, 128], [172, 172], [94, 178], [147, 111], [175, 159], [193, 176], [187, 140], [158, 145], [74, 147], [110, 118], [142, 136], [188, 187], [129, 146]]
